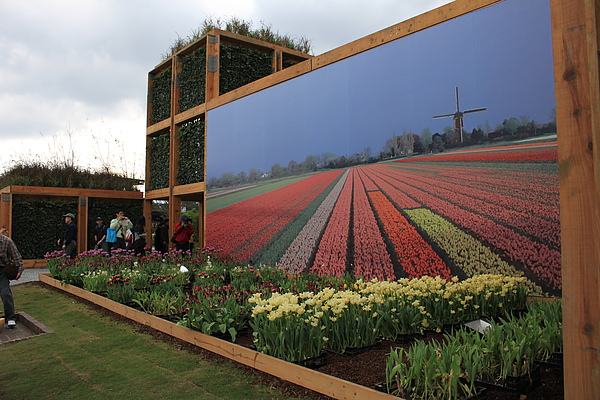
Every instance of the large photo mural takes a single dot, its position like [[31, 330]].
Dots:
[[432, 154]]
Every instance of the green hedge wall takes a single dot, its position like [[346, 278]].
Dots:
[[192, 80], [240, 66], [106, 209], [191, 152], [161, 96], [159, 150], [38, 224]]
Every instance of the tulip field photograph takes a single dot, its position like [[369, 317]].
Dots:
[[464, 213]]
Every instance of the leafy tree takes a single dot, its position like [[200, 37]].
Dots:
[[277, 171], [254, 175]]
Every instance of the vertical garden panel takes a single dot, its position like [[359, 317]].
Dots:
[[240, 66], [35, 235], [191, 152], [192, 80], [159, 162], [161, 96]]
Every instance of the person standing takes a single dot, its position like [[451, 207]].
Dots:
[[69, 242], [9, 253], [120, 224], [139, 237], [183, 232], [161, 237], [100, 235]]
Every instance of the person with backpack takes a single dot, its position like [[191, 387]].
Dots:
[[9, 254], [120, 224], [138, 244]]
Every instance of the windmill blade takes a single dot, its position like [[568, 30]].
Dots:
[[457, 108], [475, 110], [443, 116]]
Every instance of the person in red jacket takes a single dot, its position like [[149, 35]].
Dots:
[[183, 232]]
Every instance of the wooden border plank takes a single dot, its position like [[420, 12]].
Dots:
[[74, 192], [191, 188], [308, 378], [575, 46]]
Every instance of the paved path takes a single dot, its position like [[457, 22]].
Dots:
[[30, 275]]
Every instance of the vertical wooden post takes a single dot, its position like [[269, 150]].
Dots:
[[575, 45], [147, 212], [174, 214], [82, 224], [277, 60], [202, 221], [212, 67], [6, 211]]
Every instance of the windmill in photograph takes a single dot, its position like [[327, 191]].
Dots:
[[458, 118]]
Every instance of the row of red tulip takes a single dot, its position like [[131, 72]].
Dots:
[[537, 257], [367, 181], [400, 199], [503, 156], [539, 186], [297, 256], [331, 255], [518, 194], [371, 258], [244, 227], [482, 203], [415, 255]]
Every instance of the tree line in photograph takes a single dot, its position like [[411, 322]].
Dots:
[[406, 144]]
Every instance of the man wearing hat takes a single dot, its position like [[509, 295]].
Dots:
[[69, 243], [100, 235], [183, 232]]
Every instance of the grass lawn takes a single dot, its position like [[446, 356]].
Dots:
[[90, 355]]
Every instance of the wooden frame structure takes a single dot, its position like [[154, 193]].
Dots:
[[175, 193], [82, 196], [575, 31]]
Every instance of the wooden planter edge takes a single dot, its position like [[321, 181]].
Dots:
[[308, 378]]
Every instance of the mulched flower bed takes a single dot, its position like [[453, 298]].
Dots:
[[366, 369]]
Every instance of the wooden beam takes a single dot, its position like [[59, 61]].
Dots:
[[192, 188], [191, 114], [575, 46], [159, 126], [73, 192], [158, 194]]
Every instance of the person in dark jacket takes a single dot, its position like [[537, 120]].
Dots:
[[69, 242], [139, 237], [100, 235], [161, 237]]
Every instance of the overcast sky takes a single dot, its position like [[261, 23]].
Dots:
[[73, 76]]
